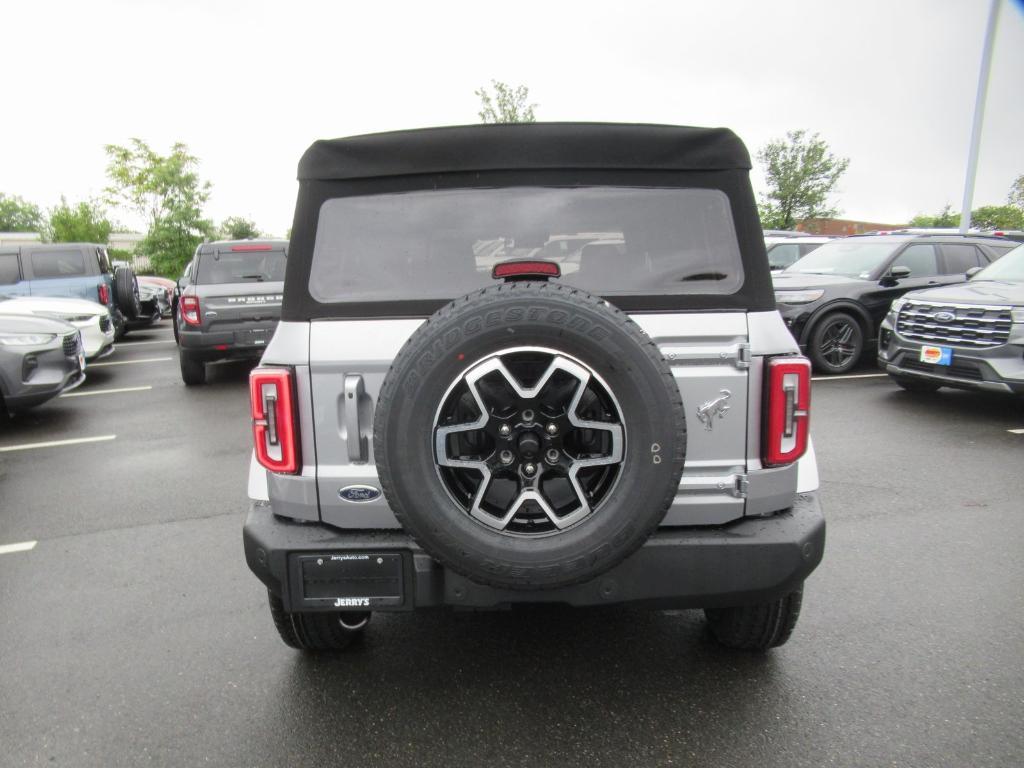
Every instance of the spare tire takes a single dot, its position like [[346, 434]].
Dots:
[[126, 293], [529, 436]]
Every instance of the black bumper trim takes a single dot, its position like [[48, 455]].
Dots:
[[945, 376], [751, 561]]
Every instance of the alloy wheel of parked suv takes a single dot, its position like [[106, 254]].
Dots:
[[529, 441], [837, 343]]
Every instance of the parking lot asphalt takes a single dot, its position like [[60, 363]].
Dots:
[[132, 632]]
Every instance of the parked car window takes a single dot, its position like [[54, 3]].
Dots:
[[806, 248], [782, 255], [920, 258], [9, 272], [961, 257], [440, 244], [999, 249], [103, 260], [58, 264]]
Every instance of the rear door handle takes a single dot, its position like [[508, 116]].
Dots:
[[355, 439]]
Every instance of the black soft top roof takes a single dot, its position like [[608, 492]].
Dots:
[[525, 146]]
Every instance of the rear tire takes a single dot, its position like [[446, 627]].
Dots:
[[918, 386], [317, 632], [836, 343], [193, 371], [120, 330], [756, 627]]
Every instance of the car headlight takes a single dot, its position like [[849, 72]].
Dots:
[[26, 339], [1017, 315], [798, 297]]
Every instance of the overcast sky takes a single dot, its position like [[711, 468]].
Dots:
[[248, 85]]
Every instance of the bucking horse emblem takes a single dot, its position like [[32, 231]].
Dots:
[[712, 408]]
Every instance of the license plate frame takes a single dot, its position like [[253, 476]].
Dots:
[[936, 355], [252, 337], [349, 581]]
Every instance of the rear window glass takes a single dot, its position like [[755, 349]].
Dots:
[[58, 264], [9, 273], [241, 267], [612, 241]]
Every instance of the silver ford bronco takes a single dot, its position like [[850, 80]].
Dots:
[[531, 364]]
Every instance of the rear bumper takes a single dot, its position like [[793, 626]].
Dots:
[[751, 561], [219, 345]]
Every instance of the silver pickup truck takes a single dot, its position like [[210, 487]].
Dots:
[[531, 364], [230, 305]]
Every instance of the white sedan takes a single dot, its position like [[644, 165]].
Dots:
[[92, 319]]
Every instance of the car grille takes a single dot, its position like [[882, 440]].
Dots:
[[972, 325], [104, 323], [71, 344]]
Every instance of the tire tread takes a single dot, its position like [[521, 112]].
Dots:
[[756, 627]]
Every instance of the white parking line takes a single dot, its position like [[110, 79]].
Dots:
[[853, 376], [107, 391], [136, 343], [21, 546], [55, 443], [1016, 431], [129, 362]]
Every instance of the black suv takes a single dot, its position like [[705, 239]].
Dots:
[[230, 305], [834, 299]]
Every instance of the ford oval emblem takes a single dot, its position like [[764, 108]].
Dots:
[[359, 493], [945, 317]]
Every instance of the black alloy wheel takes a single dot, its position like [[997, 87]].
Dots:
[[837, 343]]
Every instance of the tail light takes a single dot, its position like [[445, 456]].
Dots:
[[104, 292], [272, 403], [190, 310], [787, 408]]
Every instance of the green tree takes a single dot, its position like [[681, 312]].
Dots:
[[167, 191], [946, 218], [1016, 196], [17, 215], [86, 222], [238, 228], [506, 104], [997, 217], [801, 173]]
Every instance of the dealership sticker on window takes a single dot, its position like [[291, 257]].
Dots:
[[937, 355]]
